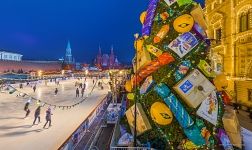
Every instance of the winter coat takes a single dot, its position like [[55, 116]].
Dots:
[[37, 112], [26, 106], [48, 115]]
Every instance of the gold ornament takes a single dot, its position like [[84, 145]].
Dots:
[[220, 82], [128, 86], [130, 96], [143, 16], [183, 23], [161, 114]]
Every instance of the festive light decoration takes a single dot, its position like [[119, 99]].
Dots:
[[187, 46], [154, 50], [146, 30], [43, 103], [128, 86], [161, 34], [176, 107], [183, 23], [151, 67], [220, 82], [161, 114], [143, 16]]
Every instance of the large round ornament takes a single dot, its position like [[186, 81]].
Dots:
[[161, 114], [183, 23], [128, 86], [220, 82], [143, 16]]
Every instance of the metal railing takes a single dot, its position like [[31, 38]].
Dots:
[[116, 135], [73, 140], [130, 148]]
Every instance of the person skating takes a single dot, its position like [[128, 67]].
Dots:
[[37, 115], [21, 86], [84, 86], [26, 108], [82, 92], [77, 92], [80, 85], [48, 117], [56, 91], [93, 81], [34, 88]]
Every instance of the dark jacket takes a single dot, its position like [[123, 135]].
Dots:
[[48, 114], [26, 106], [37, 112]]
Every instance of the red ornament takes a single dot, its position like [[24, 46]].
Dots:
[[225, 97]]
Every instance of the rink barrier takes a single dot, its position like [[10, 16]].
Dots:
[[117, 133], [73, 140], [115, 139]]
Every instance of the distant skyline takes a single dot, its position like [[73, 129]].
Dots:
[[40, 29]]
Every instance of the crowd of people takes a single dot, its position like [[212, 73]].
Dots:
[[80, 89]]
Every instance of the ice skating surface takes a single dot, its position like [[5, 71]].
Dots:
[[17, 133]]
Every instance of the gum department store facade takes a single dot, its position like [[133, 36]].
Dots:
[[230, 27]]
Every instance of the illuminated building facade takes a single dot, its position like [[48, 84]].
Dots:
[[230, 28], [105, 61]]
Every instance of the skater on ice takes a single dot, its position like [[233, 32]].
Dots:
[[34, 88], [82, 92], [56, 91], [77, 92], [48, 117], [37, 115], [26, 108]]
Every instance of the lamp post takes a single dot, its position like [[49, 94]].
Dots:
[[136, 94], [39, 74]]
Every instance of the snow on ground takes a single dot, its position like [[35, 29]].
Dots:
[[17, 133]]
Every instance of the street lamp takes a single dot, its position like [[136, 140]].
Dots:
[[40, 73], [62, 72], [136, 92]]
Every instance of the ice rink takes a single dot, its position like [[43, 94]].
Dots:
[[17, 133]]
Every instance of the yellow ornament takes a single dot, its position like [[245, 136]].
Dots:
[[130, 96], [161, 114], [143, 16], [220, 82], [128, 86], [188, 145], [138, 44], [183, 23]]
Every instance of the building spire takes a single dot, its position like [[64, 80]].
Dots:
[[68, 58], [68, 49], [112, 50], [100, 52]]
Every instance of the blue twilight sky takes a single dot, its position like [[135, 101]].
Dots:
[[39, 29]]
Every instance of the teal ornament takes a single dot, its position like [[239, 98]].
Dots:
[[175, 106], [178, 76], [200, 123], [194, 134], [182, 70], [170, 12]]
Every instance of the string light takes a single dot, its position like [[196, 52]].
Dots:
[[50, 105]]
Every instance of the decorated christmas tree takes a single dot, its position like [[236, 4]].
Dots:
[[180, 100]]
